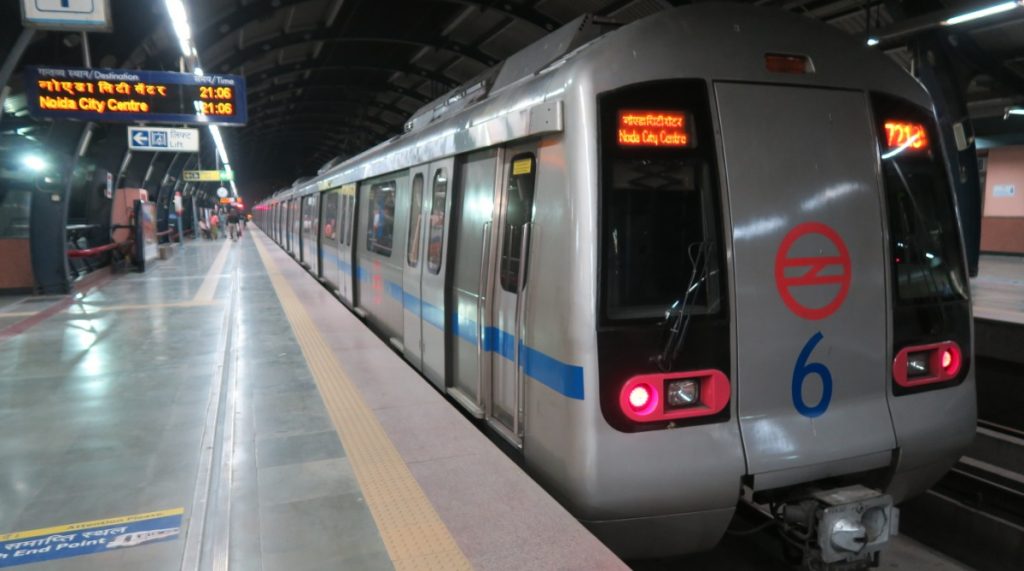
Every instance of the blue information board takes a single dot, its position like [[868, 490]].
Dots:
[[118, 95]]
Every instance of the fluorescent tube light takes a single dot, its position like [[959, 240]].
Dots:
[[981, 13]]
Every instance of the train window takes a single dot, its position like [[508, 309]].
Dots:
[[923, 232], [380, 226], [518, 213], [435, 245], [345, 240], [658, 214], [329, 230], [415, 218], [349, 210]]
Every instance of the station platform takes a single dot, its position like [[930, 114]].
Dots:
[[223, 411], [999, 289]]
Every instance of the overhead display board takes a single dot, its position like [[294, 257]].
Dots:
[[165, 139], [207, 176], [75, 15], [106, 95]]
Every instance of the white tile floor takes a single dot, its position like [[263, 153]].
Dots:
[[999, 289]]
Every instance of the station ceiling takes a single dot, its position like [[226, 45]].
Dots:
[[328, 78]]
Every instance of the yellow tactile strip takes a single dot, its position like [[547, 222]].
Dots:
[[413, 533]]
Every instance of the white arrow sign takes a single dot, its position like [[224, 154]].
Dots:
[[163, 139]]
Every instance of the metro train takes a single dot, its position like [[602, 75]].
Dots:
[[708, 257]]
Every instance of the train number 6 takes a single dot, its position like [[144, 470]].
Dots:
[[800, 373]]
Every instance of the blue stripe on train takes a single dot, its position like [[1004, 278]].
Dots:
[[562, 377]]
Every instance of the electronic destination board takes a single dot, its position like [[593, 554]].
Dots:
[[104, 95]]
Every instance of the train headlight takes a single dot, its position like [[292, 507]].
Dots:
[[918, 364], [925, 364], [685, 392]]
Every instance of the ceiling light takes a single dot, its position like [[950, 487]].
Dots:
[[982, 13], [872, 41], [179, 19], [1015, 111], [34, 162]]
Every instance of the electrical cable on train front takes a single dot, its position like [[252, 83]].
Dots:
[[679, 313]]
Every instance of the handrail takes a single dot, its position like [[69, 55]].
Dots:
[[88, 252]]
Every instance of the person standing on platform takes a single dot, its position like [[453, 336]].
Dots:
[[233, 225], [214, 224]]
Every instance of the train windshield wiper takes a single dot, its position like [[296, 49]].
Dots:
[[679, 313]]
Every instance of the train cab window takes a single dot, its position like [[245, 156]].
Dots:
[[518, 213], [415, 219], [658, 202], [380, 227], [439, 199], [924, 237]]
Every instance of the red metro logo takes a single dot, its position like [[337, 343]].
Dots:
[[806, 272]]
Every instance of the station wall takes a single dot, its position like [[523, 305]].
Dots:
[[1002, 225]]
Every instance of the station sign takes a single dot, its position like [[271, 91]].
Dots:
[[116, 95], [207, 176], [73, 15], [163, 139]]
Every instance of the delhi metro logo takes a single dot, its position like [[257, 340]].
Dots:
[[795, 275]]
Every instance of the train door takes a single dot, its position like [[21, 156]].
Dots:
[[347, 208], [438, 198], [511, 236], [286, 226], [470, 368], [412, 273], [329, 238], [809, 274], [310, 230]]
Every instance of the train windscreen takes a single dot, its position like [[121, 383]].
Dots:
[[658, 192], [927, 259]]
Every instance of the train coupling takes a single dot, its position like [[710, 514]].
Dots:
[[840, 529]]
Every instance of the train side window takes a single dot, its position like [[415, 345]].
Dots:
[[435, 247], [349, 207], [518, 213], [330, 225], [380, 227], [415, 218]]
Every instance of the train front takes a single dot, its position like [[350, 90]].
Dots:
[[782, 304]]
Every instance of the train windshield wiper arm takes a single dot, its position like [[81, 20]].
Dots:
[[679, 313]]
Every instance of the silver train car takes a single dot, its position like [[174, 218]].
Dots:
[[708, 257]]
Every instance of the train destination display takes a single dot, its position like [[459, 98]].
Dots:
[[104, 95], [654, 129]]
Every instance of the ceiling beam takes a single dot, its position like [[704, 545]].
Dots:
[[258, 49]]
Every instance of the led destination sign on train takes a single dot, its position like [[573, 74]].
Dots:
[[654, 129], [130, 95]]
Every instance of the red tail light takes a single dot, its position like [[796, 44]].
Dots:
[[641, 398], [927, 364]]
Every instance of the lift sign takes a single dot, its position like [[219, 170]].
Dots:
[[654, 129], [106, 95]]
